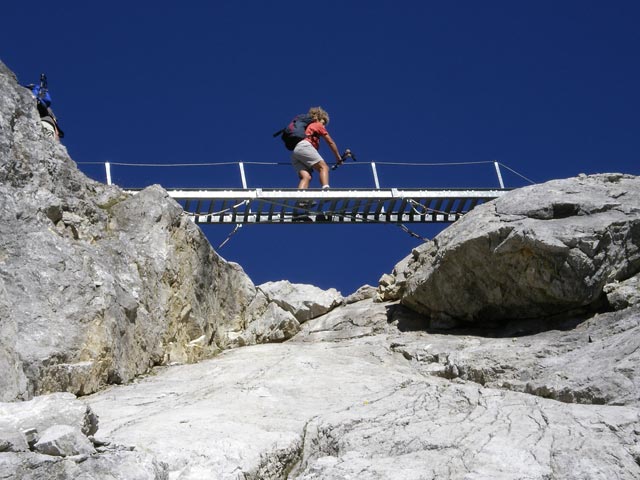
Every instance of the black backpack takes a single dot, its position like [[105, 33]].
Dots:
[[295, 131]]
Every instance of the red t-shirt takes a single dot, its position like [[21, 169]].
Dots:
[[314, 131]]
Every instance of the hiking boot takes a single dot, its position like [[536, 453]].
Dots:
[[305, 204]]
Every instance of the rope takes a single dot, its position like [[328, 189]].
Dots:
[[193, 214], [235, 230], [412, 234], [214, 164], [520, 175], [407, 164], [205, 164], [425, 210], [218, 164], [309, 211], [358, 216]]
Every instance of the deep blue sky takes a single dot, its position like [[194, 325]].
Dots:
[[548, 88]]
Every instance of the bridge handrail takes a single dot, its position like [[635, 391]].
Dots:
[[241, 165]]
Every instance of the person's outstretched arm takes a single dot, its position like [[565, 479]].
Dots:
[[332, 146]]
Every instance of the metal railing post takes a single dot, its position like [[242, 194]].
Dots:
[[375, 175], [242, 175], [107, 167], [495, 164]]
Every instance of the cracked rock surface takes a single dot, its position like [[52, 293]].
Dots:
[[442, 430], [51, 437], [594, 362], [356, 395], [243, 414]]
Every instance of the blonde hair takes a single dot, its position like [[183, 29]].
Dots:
[[319, 114]]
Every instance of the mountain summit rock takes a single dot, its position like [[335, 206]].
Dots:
[[507, 347], [97, 286]]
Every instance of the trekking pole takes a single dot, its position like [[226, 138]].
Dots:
[[347, 154]]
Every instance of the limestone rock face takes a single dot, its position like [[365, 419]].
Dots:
[[96, 285], [358, 394], [472, 433], [274, 325], [364, 292], [303, 301], [362, 388], [535, 252], [43, 412], [623, 294], [364, 392], [119, 465], [355, 320], [592, 361], [51, 437]]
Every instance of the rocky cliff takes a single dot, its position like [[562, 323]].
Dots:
[[96, 285], [507, 347], [537, 252]]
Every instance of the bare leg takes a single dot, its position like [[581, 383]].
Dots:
[[323, 170], [305, 178]]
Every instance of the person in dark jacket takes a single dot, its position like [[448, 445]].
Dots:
[[50, 125]]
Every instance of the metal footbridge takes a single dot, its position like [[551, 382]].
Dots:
[[255, 206], [246, 205]]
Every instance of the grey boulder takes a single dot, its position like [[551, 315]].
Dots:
[[535, 252], [303, 301], [63, 441]]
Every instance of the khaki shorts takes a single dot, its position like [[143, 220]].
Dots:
[[305, 156]]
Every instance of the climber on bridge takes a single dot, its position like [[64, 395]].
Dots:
[[49, 122], [302, 136]]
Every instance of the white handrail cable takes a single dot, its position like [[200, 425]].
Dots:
[[373, 165]]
